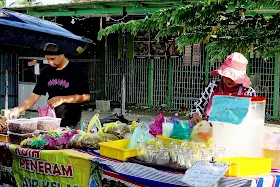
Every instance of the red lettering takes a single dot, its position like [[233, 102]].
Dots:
[[68, 171], [35, 154], [56, 170], [40, 166], [27, 164], [17, 151], [24, 152], [34, 165], [48, 168], [21, 162]]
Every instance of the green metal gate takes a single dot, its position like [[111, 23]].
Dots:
[[178, 81]]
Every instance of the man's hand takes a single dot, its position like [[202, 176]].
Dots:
[[56, 101], [14, 114], [196, 119]]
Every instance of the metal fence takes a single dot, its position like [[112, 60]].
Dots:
[[178, 81]]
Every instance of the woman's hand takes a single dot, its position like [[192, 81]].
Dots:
[[196, 119]]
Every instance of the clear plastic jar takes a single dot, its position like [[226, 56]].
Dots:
[[162, 157]]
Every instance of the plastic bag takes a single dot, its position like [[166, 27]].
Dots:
[[180, 131], [85, 140], [167, 128], [118, 129], [140, 134], [75, 140], [46, 111], [156, 127], [94, 122], [133, 126], [202, 132], [89, 140], [106, 137], [59, 142]]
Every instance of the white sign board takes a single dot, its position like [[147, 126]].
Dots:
[[205, 174]]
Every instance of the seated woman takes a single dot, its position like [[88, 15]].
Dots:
[[233, 81]]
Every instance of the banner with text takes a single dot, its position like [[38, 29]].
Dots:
[[47, 168]]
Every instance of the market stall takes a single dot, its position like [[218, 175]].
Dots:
[[167, 152], [95, 168]]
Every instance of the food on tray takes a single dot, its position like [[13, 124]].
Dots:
[[16, 138], [47, 123], [22, 126]]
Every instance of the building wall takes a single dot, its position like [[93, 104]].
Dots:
[[11, 60]]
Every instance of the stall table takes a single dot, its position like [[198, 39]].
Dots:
[[81, 168]]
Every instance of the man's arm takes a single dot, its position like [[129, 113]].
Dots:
[[29, 102], [26, 104], [58, 100], [76, 98]]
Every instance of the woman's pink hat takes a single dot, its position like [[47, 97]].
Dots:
[[234, 68]]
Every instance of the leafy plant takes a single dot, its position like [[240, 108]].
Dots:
[[213, 23], [26, 3]]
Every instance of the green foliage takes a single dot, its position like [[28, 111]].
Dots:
[[26, 2], [211, 22]]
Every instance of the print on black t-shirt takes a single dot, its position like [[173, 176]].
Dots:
[[71, 80]]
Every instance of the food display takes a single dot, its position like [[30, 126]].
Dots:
[[117, 128], [22, 126], [16, 138], [47, 123], [86, 140]]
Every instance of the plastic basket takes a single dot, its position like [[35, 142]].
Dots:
[[244, 166], [167, 141], [117, 150]]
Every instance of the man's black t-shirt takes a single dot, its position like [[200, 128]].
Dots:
[[70, 80]]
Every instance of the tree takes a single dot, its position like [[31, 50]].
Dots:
[[26, 3], [222, 28]]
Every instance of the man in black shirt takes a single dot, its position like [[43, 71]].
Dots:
[[67, 86]]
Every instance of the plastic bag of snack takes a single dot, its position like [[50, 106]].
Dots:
[[133, 126], [39, 142], [94, 122], [180, 131], [74, 140], [88, 140], [202, 132], [106, 137], [140, 134], [26, 143], [118, 129], [156, 126]]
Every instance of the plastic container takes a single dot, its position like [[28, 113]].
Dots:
[[22, 126], [271, 147], [117, 150], [244, 166], [103, 105], [16, 138], [47, 123], [243, 140]]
